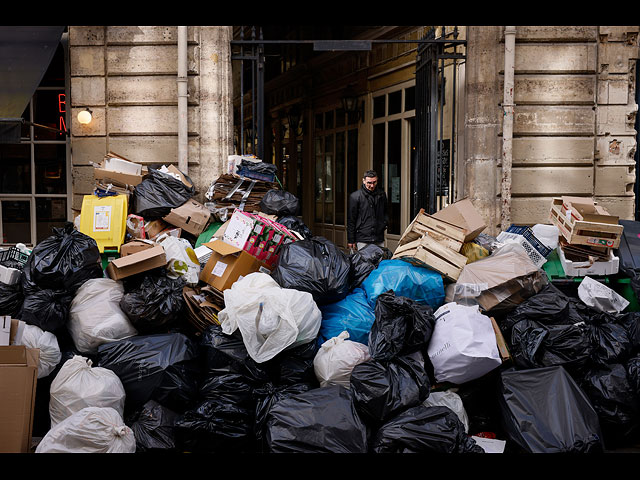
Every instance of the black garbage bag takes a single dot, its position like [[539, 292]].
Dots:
[[364, 261], [548, 307], [259, 167], [162, 367], [401, 326], [154, 428], [631, 323], [314, 265], [614, 400], [222, 353], [11, 298], [46, 308], [543, 410], [155, 304], [297, 225], [158, 193], [266, 396], [633, 373], [612, 343], [215, 426], [424, 429], [535, 345], [63, 261], [279, 202], [480, 400], [382, 390], [322, 420]]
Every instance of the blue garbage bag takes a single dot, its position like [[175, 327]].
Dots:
[[420, 284], [353, 314]]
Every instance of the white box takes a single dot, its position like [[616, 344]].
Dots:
[[581, 269], [5, 330], [114, 164], [238, 230], [9, 275]]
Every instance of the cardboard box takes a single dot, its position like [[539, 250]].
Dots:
[[135, 246], [18, 378], [192, 217], [155, 227], [239, 229], [117, 178], [226, 264], [142, 261], [500, 341], [463, 214]]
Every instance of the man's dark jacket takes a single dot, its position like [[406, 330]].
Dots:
[[367, 216]]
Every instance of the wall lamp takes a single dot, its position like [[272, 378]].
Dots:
[[84, 116], [351, 104]]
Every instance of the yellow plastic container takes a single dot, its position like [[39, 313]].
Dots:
[[105, 220]]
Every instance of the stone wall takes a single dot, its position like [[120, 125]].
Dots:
[[127, 76]]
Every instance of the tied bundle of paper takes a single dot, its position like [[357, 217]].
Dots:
[[588, 236], [238, 192]]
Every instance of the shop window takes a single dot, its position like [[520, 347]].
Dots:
[[34, 196]]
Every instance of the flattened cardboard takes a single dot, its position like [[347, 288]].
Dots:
[[192, 217], [154, 227], [18, 378], [117, 178], [137, 262], [227, 264], [463, 214], [135, 246]]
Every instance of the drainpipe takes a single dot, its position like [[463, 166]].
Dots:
[[182, 101], [507, 126]]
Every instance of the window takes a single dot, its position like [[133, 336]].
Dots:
[[393, 112], [34, 175], [336, 165]]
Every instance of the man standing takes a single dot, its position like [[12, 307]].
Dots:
[[367, 215]]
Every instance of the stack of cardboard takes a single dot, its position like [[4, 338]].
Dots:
[[117, 174], [436, 240], [233, 191], [203, 305], [588, 236]]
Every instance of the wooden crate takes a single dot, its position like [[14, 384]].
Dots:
[[578, 229], [429, 252], [446, 233]]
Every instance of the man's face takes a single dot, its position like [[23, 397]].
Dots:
[[370, 183]]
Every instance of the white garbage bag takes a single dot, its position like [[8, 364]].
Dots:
[[95, 316], [601, 297], [270, 318], [181, 259], [451, 400], [34, 337], [463, 345], [90, 430], [78, 385], [336, 358]]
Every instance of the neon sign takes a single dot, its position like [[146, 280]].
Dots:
[[62, 108]]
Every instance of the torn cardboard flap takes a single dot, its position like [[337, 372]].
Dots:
[[135, 246], [463, 214], [585, 209]]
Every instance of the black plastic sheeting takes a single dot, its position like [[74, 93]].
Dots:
[[280, 203], [314, 265], [158, 193], [424, 429], [322, 420], [543, 410]]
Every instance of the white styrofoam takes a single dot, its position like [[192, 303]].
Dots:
[[9, 275], [122, 166], [581, 269]]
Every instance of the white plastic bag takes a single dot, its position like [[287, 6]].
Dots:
[[463, 345], [181, 259], [90, 430], [451, 400], [270, 318], [336, 358], [601, 297], [49, 357], [95, 316], [78, 385]]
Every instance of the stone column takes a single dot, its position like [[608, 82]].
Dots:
[[483, 122], [216, 108]]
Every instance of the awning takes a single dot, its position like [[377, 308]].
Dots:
[[25, 55]]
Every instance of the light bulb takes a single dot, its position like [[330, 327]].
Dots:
[[84, 117]]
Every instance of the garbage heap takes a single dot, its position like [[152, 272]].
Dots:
[[259, 335]]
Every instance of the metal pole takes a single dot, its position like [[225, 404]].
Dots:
[[507, 126], [183, 129]]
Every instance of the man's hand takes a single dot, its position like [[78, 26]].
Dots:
[[352, 246]]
